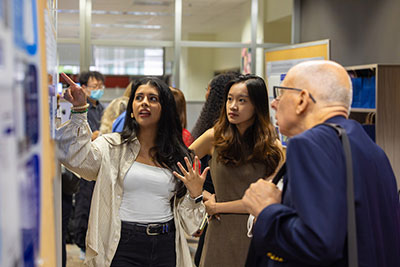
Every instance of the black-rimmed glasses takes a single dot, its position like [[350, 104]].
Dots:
[[278, 91]]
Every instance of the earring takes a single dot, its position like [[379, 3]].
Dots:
[[132, 115]]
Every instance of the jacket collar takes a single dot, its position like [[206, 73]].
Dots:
[[116, 139]]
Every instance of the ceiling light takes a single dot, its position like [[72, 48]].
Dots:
[[129, 26], [151, 3], [110, 12]]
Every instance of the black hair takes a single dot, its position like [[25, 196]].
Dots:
[[169, 148], [85, 76], [212, 107]]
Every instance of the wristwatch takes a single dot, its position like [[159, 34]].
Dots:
[[197, 199]]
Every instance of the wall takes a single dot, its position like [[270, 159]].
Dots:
[[198, 66], [278, 21], [361, 31], [227, 58], [277, 9]]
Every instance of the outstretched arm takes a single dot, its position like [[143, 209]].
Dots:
[[75, 149]]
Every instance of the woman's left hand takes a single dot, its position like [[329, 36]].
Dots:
[[211, 205], [191, 178]]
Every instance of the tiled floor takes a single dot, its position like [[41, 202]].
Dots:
[[73, 252]]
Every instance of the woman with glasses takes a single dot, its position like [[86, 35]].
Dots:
[[141, 206], [244, 147]]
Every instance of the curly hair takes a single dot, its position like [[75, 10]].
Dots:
[[169, 148], [258, 143], [212, 107]]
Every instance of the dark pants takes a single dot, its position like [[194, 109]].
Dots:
[[136, 248], [66, 214], [200, 245], [83, 199]]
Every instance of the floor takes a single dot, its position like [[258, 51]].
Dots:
[[73, 252]]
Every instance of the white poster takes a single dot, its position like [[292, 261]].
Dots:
[[275, 73], [10, 248], [51, 59], [26, 110], [10, 233]]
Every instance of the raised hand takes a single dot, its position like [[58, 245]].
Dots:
[[74, 94], [191, 178]]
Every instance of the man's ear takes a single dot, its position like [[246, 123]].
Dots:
[[302, 102]]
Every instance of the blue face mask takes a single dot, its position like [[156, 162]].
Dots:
[[96, 94]]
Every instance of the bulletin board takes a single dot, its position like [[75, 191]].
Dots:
[[27, 221], [279, 60]]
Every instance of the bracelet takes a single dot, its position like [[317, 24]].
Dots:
[[79, 112], [197, 199], [80, 107]]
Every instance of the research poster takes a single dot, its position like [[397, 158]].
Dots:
[[23, 125], [10, 232], [20, 134], [279, 60]]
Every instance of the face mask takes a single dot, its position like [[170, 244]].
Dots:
[[97, 94]]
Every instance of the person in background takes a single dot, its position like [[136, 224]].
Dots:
[[208, 116], [306, 224], [244, 146], [181, 108], [140, 211], [113, 110], [92, 83]]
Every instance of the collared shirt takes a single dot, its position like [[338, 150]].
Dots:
[[107, 161]]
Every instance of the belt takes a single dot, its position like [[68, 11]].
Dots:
[[151, 228]]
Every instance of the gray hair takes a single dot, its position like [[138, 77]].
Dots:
[[327, 81]]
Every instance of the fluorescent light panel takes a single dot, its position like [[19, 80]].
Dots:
[[110, 12]]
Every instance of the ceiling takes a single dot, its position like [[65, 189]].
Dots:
[[154, 19]]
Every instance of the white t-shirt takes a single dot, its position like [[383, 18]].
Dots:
[[147, 194]]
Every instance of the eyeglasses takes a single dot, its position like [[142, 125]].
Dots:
[[278, 91], [94, 87]]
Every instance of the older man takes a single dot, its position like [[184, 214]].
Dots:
[[305, 224]]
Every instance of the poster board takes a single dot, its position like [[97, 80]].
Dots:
[[27, 221], [279, 60]]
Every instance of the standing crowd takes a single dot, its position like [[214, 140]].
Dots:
[[146, 182]]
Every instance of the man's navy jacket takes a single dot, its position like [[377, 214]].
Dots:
[[309, 228]]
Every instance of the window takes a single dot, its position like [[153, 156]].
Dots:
[[128, 60]]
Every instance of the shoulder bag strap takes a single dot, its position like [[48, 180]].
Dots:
[[351, 211]]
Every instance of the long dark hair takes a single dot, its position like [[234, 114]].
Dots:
[[169, 147], [212, 107], [258, 142]]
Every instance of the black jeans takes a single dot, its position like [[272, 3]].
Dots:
[[66, 214], [136, 248]]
